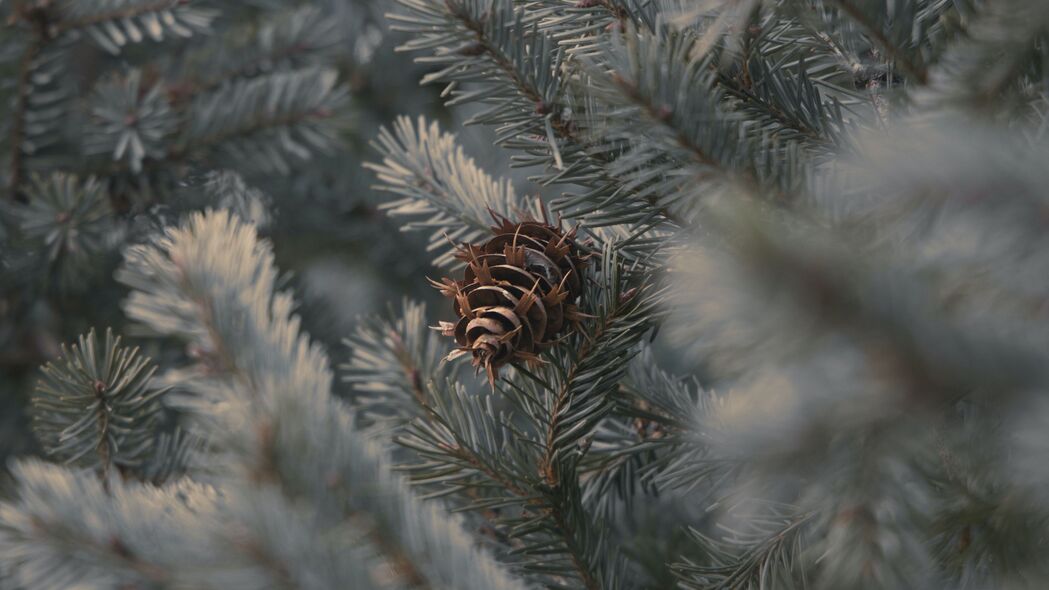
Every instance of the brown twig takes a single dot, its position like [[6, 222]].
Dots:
[[104, 452], [39, 19]]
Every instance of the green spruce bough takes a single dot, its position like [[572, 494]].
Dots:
[[828, 213]]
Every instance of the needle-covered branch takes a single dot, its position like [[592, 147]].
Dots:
[[441, 188], [268, 404]]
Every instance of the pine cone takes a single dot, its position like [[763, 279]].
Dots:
[[518, 294]]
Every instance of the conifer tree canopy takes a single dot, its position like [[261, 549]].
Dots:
[[755, 294]]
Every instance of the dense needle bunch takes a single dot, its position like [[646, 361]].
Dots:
[[517, 294], [97, 405]]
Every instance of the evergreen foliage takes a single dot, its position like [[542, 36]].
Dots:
[[97, 408], [64, 229], [118, 118], [301, 496], [811, 346], [439, 181], [389, 399]]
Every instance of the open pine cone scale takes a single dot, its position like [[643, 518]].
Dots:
[[517, 296]]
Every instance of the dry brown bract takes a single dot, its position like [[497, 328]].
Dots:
[[518, 295]]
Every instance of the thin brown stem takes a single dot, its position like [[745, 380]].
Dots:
[[104, 452], [547, 464], [411, 372], [38, 18], [18, 123]]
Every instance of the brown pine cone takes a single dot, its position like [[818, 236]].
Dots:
[[518, 294]]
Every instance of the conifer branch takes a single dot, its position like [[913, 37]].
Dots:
[[18, 123], [744, 92], [264, 124], [594, 371], [39, 23], [563, 129], [205, 142], [54, 24], [579, 558], [224, 359], [751, 559], [533, 76], [114, 23], [692, 148], [97, 407], [394, 368], [61, 514], [212, 282], [524, 84], [775, 112], [546, 501], [304, 35], [65, 529], [391, 364], [976, 70], [867, 289], [237, 120], [131, 9], [442, 188], [917, 72], [482, 466], [663, 115], [657, 438]]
